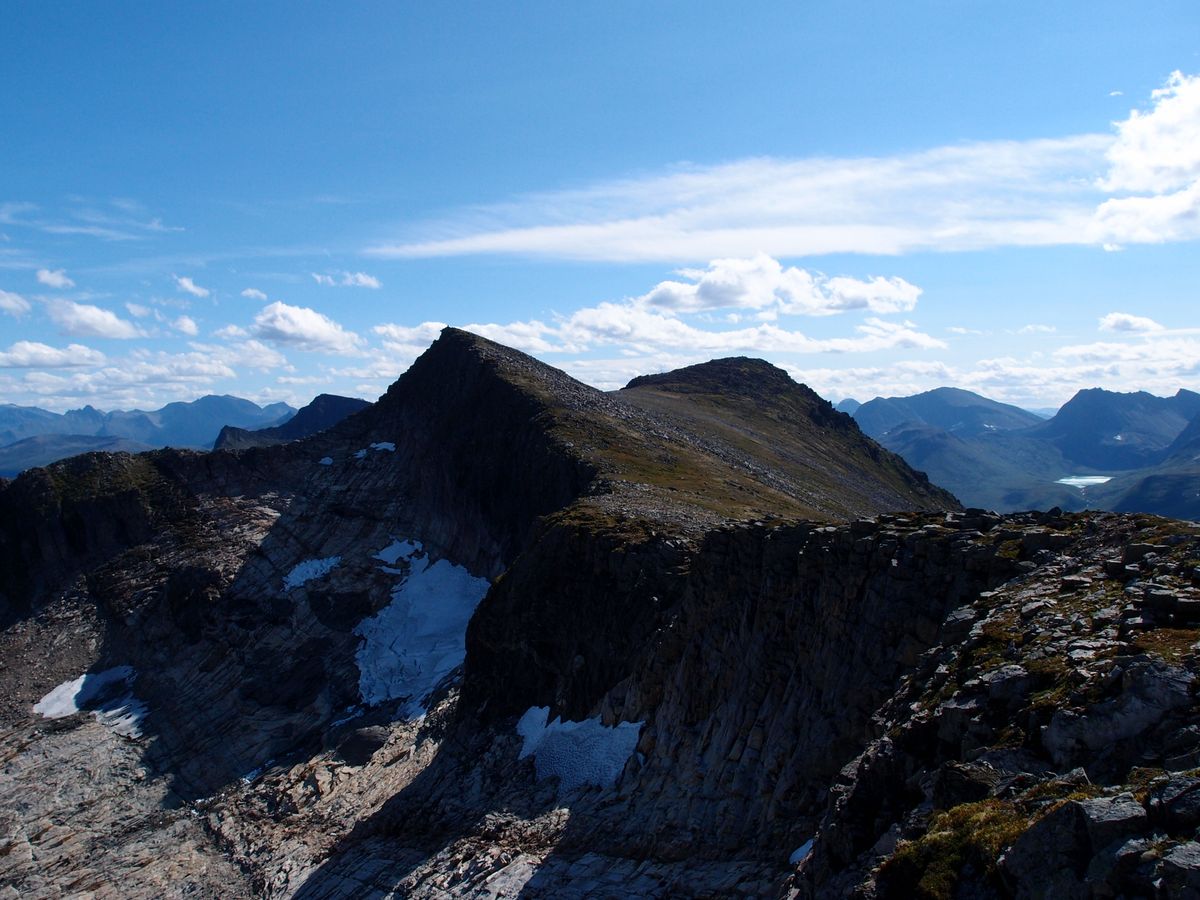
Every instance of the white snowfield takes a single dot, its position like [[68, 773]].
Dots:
[[420, 637], [578, 753], [384, 445], [308, 570], [325, 461], [108, 695]]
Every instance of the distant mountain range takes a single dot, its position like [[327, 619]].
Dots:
[[325, 411], [30, 436], [1141, 450]]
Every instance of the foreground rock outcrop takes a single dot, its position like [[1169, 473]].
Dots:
[[719, 643]]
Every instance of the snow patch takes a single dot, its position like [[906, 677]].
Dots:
[[308, 570], [384, 445], [325, 461], [360, 454], [397, 550], [1083, 481], [421, 636], [578, 753], [107, 695], [801, 853]]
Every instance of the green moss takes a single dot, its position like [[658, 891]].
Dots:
[[1009, 550], [971, 834]]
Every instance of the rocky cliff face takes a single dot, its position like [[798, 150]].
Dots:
[[252, 674]]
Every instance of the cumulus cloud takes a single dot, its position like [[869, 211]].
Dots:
[[1158, 150], [254, 294], [675, 317], [83, 319], [347, 279], [418, 335], [1118, 321], [250, 354], [1035, 328], [186, 325], [303, 328], [13, 304], [229, 332], [1155, 164], [185, 284], [761, 282], [33, 355], [138, 311], [56, 278]]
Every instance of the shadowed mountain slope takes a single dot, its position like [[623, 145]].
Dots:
[[325, 411], [47, 448]]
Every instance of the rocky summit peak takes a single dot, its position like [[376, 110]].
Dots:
[[732, 374]]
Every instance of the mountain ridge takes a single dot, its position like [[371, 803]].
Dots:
[[329, 658]]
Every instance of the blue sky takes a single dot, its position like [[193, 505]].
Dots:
[[280, 199]]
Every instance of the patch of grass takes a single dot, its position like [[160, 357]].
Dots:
[[971, 834], [1171, 645]]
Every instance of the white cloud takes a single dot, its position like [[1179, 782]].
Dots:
[[137, 310], [360, 279], [419, 335], [1156, 159], [13, 304], [186, 325], [761, 282], [657, 322], [947, 198], [185, 284], [229, 332], [1137, 183], [304, 328], [1151, 219], [254, 294], [250, 354], [1117, 321], [56, 278], [30, 354], [84, 319], [1159, 150], [348, 279], [530, 337], [1035, 328]]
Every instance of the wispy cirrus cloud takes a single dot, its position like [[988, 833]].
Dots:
[[948, 198], [14, 304], [188, 286], [347, 279], [1137, 183]]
